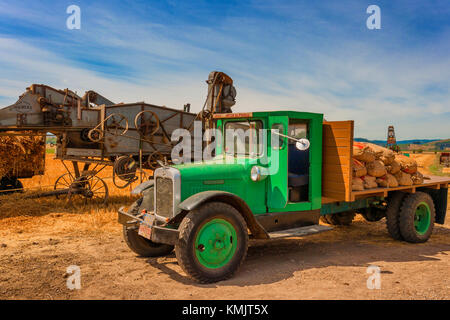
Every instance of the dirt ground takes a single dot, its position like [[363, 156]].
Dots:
[[40, 238], [424, 160]]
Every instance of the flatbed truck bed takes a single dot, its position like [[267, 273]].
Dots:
[[337, 175], [337, 168], [431, 182]]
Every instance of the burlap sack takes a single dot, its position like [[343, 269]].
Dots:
[[359, 169], [382, 182], [417, 178], [357, 184], [393, 167], [384, 154], [362, 152], [376, 168], [407, 164], [369, 182], [404, 179], [392, 181], [387, 181]]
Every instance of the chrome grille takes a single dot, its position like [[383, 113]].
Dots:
[[164, 197]]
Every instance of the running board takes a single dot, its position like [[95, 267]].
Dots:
[[299, 232]]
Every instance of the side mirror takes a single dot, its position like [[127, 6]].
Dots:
[[302, 144]]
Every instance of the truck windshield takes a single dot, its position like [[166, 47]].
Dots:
[[243, 138]]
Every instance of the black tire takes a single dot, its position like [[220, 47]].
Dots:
[[394, 203], [408, 214], [12, 184], [339, 219], [189, 228], [140, 245]]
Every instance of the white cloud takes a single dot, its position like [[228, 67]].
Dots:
[[273, 68]]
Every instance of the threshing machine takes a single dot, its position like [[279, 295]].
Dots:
[[97, 132]]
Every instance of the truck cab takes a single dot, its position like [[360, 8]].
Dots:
[[267, 183]]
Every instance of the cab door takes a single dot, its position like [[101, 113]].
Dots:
[[277, 194]]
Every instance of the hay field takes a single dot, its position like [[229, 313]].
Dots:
[[91, 215]]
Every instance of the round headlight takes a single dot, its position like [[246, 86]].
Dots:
[[255, 174]]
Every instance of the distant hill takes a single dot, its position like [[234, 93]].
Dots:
[[415, 144], [439, 145], [413, 141]]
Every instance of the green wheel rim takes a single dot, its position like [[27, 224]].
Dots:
[[422, 218], [215, 243]]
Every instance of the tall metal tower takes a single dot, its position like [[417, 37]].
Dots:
[[391, 140]]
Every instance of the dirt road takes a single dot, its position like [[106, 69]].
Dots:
[[34, 258], [424, 160], [39, 239]]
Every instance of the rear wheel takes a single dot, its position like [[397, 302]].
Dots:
[[394, 203], [140, 245], [213, 242], [417, 217]]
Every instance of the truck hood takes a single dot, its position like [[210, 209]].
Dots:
[[214, 170]]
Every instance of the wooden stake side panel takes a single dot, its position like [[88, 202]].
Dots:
[[337, 161], [337, 166], [433, 182]]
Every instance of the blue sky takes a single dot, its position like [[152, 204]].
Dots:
[[313, 56]]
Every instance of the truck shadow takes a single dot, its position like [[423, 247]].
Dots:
[[358, 246]]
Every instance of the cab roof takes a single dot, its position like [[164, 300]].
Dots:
[[259, 114]]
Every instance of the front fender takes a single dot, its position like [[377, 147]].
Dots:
[[142, 187], [237, 202]]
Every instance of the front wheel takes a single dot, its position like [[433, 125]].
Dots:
[[394, 204], [140, 245], [213, 242], [417, 217]]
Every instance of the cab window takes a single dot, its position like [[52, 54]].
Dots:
[[243, 138], [279, 128]]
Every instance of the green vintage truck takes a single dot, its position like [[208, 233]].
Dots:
[[279, 187]]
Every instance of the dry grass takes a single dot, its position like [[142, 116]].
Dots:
[[20, 213]]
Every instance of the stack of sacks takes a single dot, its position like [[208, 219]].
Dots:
[[359, 170], [375, 166]]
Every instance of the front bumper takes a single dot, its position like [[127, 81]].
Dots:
[[159, 234]]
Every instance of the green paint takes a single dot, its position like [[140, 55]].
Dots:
[[277, 193], [422, 218], [215, 243], [214, 181], [268, 195]]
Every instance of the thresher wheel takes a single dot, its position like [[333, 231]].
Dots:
[[96, 190], [125, 168], [95, 135], [91, 188], [153, 159], [146, 123], [117, 124], [63, 183]]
